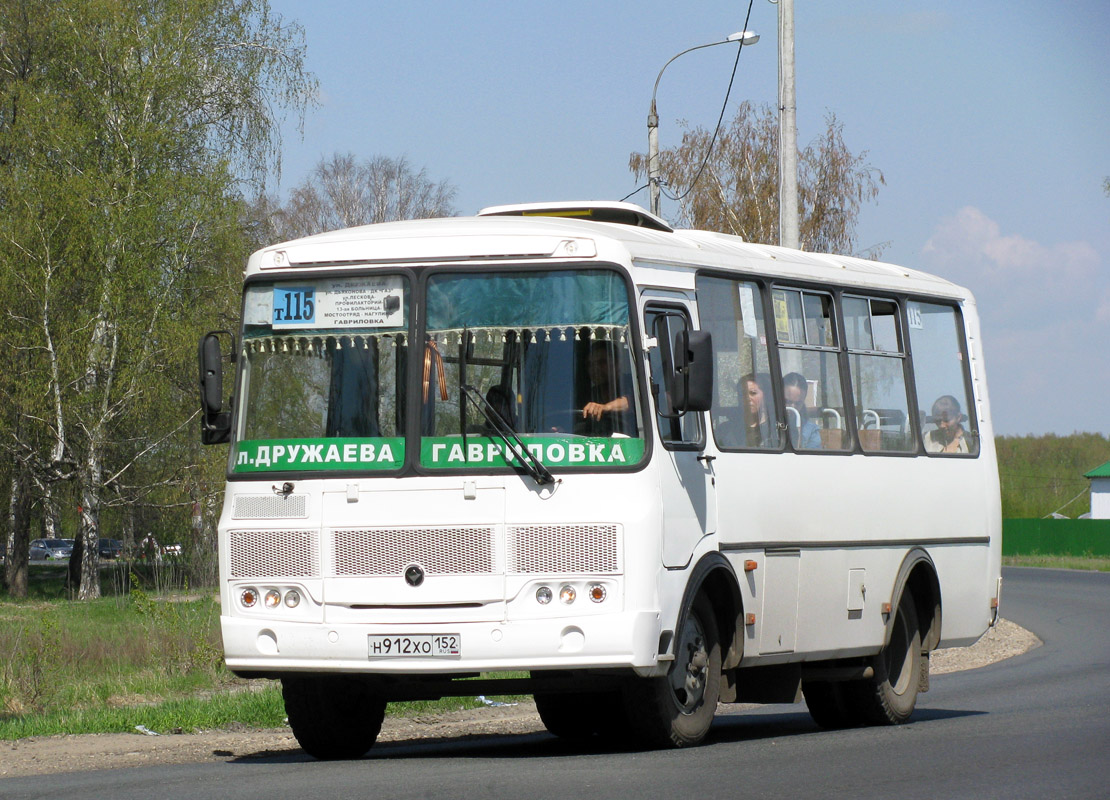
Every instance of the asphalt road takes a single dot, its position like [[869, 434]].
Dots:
[[1035, 726]]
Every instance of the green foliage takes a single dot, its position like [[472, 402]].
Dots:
[[1044, 474], [127, 131]]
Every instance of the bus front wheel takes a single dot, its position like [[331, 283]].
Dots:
[[332, 716], [891, 695], [677, 709]]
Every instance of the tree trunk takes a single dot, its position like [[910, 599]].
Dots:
[[19, 535], [51, 519], [88, 529]]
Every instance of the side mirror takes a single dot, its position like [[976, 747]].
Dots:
[[215, 423], [693, 371]]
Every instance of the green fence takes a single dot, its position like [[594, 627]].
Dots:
[[1059, 537]]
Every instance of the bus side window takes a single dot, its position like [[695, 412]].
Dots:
[[948, 424], [809, 357], [876, 360], [743, 414]]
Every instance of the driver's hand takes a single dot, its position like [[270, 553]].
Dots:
[[593, 411]]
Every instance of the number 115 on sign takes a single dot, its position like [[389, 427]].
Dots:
[[294, 305]]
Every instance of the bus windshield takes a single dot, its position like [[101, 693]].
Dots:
[[323, 375], [548, 352]]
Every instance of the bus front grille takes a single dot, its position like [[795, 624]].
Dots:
[[274, 554], [563, 549], [438, 550], [269, 506]]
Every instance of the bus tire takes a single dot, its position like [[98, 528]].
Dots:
[[332, 716], [677, 709], [579, 716], [889, 697]]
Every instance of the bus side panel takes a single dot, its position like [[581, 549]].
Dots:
[[853, 519]]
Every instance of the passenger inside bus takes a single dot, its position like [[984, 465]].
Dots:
[[757, 400], [949, 435], [804, 433]]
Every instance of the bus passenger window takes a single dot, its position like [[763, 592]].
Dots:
[[876, 362], [809, 358], [743, 415], [940, 373]]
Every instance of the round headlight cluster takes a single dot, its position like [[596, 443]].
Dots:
[[568, 593], [249, 597]]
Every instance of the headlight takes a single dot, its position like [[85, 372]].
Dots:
[[273, 598], [567, 594], [292, 598], [543, 595]]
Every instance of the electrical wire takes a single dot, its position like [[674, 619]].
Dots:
[[717, 130], [635, 191], [1065, 505]]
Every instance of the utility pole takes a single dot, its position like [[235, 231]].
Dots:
[[653, 156], [788, 130]]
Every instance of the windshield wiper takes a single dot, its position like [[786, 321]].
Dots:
[[528, 462]]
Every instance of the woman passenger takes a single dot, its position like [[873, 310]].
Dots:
[[757, 401]]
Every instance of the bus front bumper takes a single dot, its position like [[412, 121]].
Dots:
[[629, 639]]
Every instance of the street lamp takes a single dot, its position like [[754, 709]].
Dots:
[[744, 38]]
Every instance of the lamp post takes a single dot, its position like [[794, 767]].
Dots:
[[744, 38]]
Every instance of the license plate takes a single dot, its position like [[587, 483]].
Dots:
[[415, 645]]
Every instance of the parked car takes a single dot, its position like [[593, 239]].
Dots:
[[110, 548], [50, 549]]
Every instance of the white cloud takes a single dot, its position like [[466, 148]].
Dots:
[[1018, 277], [1045, 311]]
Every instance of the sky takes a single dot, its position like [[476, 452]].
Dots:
[[990, 122]]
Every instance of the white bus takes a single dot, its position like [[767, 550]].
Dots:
[[566, 450]]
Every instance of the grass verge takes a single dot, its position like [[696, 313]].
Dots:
[[1088, 563], [257, 708]]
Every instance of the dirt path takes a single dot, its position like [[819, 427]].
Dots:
[[39, 756]]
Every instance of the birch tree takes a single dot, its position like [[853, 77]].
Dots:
[[737, 189], [127, 131]]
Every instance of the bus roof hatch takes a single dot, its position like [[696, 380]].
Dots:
[[595, 210]]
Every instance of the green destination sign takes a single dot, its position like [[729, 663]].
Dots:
[[267, 455], [448, 452]]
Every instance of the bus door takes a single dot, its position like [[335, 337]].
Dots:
[[687, 484]]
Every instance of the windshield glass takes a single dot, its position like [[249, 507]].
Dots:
[[323, 375], [550, 353]]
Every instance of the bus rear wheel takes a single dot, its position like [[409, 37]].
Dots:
[[677, 709], [332, 716]]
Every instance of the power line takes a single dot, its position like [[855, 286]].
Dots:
[[724, 105]]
